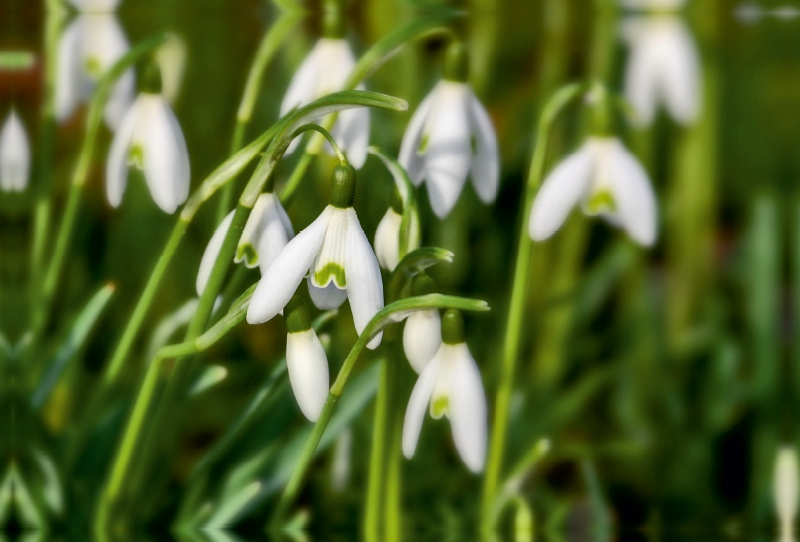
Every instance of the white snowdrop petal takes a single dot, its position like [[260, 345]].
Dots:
[[328, 298], [486, 162], [635, 201], [680, 71], [559, 193], [69, 71], [308, 372], [785, 485], [253, 230], [364, 285], [351, 132], [15, 154], [211, 253], [304, 82], [448, 153], [92, 6], [272, 241], [411, 161], [641, 74], [103, 43], [422, 337], [329, 264], [166, 160], [281, 279], [387, 240], [468, 413], [418, 406], [117, 163]]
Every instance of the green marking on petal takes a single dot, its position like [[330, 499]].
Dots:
[[440, 407], [331, 271], [136, 156], [602, 200], [423, 144], [247, 252], [93, 67]]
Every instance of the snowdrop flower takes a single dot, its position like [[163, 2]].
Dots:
[[786, 490], [422, 335], [305, 361], [450, 385], [325, 70], [15, 155], [663, 67], [387, 235], [608, 180], [266, 232], [151, 139], [338, 256], [91, 44], [450, 137]]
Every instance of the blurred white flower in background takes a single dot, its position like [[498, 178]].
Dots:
[[95, 6], [89, 46], [663, 68], [608, 180], [325, 70], [450, 137], [785, 491], [15, 155], [150, 139], [653, 5]]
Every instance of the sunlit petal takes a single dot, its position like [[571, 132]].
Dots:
[[281, 279], [486, 162], [308, 372], [409, 158], [559, 193], [634, 197], [364, 285], [15, 154], [387, 240], [211, 253], [117, 163], [418, 406], [166, 160], [422, 337], [467, 408]]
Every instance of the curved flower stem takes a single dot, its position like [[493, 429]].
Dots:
[[516, 309], [270, 44], [317, 128], [392, 313], [67, 226]]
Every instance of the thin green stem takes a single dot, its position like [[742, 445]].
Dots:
[[374, 499], [327, 135], [516, 310], [270, 44]]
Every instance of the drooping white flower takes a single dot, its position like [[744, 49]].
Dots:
[[450, 137], [151, 139], [387, 238], [608, 180], [785, 490], [450, 385], [663, 68], [325, 70], [266, 233], [89, 46], [15, 155], [339, 258]]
